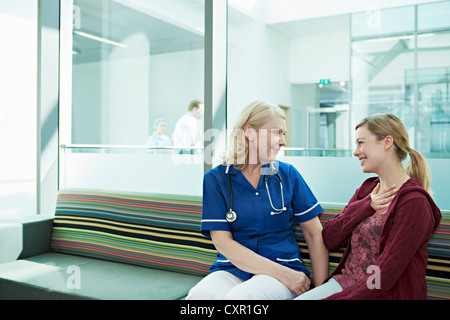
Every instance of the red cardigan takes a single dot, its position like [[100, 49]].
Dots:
[[412, 218]]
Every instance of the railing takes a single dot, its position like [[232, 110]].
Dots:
[[106, 148], [316, 152], [287, 151]]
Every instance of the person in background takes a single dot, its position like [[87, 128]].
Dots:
[[387, 223], [158, 138], [188, 130]]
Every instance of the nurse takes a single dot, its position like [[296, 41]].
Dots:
[[249, 206]]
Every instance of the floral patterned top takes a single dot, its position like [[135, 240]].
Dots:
[[365, 246]]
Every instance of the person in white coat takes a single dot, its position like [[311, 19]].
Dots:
[[188, 131]]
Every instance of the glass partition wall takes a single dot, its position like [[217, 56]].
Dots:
[[433, 95], [136, 66], [134, 62]]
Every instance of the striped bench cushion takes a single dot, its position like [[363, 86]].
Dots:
[[152, 230], [162, 231], [438, 269]]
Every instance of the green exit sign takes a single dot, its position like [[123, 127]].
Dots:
[[325, 82]]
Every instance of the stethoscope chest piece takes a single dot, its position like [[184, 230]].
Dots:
[[231, 216]]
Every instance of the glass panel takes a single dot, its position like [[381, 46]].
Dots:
[[134, 62], [379, 78], [434, 16], [328, 123], [18, 65], [376, 22], [136, 67], [434, 95]]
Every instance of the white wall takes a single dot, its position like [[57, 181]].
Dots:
[[258, 63], [336, 179], [324, 55], [327, 183], [18, 83], [159, 173]]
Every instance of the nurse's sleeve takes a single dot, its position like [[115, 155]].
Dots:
[[304, 203], [214, 206]]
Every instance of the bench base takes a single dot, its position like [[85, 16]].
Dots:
[[62, 276]]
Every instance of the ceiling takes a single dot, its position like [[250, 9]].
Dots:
[[314, 26]]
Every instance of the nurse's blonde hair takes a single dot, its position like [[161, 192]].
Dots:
[[255, 114], [382, 125]]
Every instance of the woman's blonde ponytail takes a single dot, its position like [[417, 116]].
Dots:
[[418, 168]]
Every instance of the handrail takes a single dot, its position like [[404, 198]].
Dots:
[[138, 147], [312, 149], [195, 150], [315, 152], [110, 146]]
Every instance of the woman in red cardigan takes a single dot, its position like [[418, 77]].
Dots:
[[387, 223]]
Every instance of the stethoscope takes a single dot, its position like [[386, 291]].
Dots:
[[231, 215]]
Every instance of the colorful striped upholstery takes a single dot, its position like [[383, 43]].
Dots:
[[163, 231], [438, 269], [152, 230]]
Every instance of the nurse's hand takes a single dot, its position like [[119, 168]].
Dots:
[[251, 262], [296, 281]]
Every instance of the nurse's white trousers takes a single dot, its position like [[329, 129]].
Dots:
[[222, 285]]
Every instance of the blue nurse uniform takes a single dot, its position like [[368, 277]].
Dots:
[[269, 235]]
